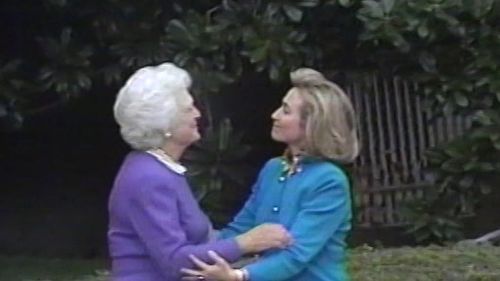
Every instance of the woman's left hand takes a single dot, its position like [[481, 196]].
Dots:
[[219, 271]]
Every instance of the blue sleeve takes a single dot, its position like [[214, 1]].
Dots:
[[323, 211], [245, 219], [155, 216]]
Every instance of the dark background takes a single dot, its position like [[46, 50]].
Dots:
[[57, 170]]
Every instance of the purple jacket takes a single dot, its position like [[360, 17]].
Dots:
[[155, 223]]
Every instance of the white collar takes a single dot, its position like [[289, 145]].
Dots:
[[167, 161]]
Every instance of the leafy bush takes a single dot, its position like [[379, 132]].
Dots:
[[217, 170], [450, 47]]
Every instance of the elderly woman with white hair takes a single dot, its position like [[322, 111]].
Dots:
[[306, 190], [155, 223]]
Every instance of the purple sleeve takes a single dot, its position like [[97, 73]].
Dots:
[[155, 217]]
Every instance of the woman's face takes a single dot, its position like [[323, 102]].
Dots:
[[287, 124], [186, 130]]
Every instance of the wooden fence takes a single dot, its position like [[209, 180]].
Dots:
[[396, 130]]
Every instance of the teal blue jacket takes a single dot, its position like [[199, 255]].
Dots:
[[315, 207]]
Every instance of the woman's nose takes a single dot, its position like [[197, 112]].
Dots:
[[274, 115], [197, 113]]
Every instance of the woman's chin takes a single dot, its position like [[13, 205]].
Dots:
[[196, 137], [275, 136]]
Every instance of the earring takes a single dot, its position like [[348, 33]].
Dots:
[[168, 134]]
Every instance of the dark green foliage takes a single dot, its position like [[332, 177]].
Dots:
[[449, 46], [218, 171], [88, 44]]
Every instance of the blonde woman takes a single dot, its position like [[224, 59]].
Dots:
[[305, 190]]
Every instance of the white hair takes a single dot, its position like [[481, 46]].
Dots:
[[147, 105]]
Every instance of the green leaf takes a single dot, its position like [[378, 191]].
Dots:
[[15, 120], [483, 118], [461, 99], [177, 28], [452, 165], [471, 165], [422, 236], [437, 232], [387, 6], [448, 108], [3, 111], [486, 167], [485, 188], [435, 155], [45, 73], [423, 31], [451, 20], [453, 151], [494, 137], [478, 8], [66, 36], [427, 61], [224, 77], [9, 67], [258, 54], [297, 36], [58, 3], [293, 13], [345, 3], [373, 8], [274, 72], [466, 182], [182, 58], [307, 3], [84, 82], [177, 8], [399, 41], [482, 81]]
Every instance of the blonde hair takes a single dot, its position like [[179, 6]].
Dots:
[[328, 117]]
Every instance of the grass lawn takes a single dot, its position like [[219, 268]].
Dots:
[[31, 269], [457, 263]]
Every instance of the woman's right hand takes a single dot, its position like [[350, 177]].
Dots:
[[263, 237]]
